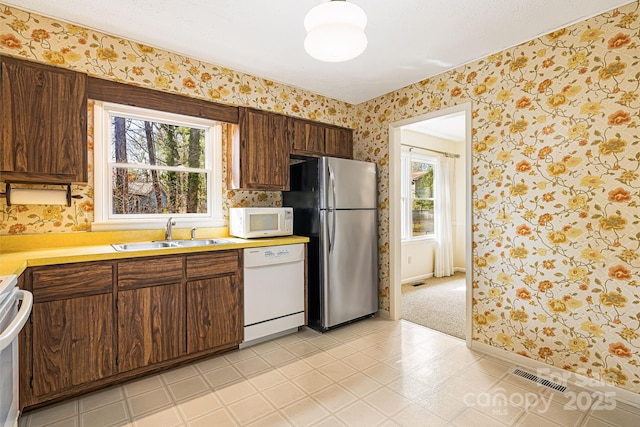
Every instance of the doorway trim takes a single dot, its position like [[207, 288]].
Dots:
[[395, 281]]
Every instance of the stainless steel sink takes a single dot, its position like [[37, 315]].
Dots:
[[200, 242], [142, 246]]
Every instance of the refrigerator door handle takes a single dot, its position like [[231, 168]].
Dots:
[[324, 279], [332, 239]]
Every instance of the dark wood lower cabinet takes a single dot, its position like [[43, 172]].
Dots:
[[72, 341], [149, 326], [101, 323], [212, 320]]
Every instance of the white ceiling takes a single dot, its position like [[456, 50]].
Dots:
[[409, 40]]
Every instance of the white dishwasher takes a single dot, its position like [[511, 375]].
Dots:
[[273, 291]]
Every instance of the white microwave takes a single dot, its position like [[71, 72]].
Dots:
[[248, 223]]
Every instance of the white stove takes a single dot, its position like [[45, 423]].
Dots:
[[7, 283], [13, 316]]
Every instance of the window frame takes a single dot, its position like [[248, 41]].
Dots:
[[407, 197], [104, 218]]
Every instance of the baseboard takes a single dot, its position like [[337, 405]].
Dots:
[[430, 275], [385, 314], [416, 278], [560, 376]]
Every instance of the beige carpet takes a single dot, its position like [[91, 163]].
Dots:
[[437, 304]]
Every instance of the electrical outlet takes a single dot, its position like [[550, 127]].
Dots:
[[408, 260]]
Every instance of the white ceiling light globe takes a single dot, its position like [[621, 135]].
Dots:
[[335, 31]]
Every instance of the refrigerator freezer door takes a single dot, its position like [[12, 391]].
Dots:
[[350, 265], [347, 184]]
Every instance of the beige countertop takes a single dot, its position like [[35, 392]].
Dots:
[[19, 252]]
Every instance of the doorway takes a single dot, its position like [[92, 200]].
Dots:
[[437, 303], [425, 139]]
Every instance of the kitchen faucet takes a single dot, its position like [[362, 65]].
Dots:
[[167, 230]]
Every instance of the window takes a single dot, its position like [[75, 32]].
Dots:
[[152, 165], [417, 196]]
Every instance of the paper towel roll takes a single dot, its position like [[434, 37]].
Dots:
[[31, 196]]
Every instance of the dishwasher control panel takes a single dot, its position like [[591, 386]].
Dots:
[[281, 252], [254, 257]]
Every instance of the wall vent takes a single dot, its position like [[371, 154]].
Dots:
[[536, 379]]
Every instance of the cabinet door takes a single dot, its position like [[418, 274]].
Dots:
[[214, 313], [149, 325], [263, 153], [307, 137], [43, 115], [338, 142], [72, 342]]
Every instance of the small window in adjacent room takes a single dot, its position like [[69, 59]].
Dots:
[[152, 165], [417, 196]]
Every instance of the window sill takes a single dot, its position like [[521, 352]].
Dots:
[[418, 240]]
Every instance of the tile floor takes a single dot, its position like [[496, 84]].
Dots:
[[373, 373]]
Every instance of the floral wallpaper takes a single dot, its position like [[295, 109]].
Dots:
[[30, 36], [556, 185], [556, 172]]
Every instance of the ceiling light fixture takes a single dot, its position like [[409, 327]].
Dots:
[[335, 31]]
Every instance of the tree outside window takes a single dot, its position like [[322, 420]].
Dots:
[[417, 197], [138, 189], [422, 198]]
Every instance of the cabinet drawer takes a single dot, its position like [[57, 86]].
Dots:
[[212, 264], [71, 280], [149, 272]]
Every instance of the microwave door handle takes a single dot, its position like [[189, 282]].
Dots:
[[332, 208], [12, 331]]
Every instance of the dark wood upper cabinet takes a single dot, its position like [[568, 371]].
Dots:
[[307, 138], [43, 115], [43, 136], [259, 152], [338, 142], [317, 139]]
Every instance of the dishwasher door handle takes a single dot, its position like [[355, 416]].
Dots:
[[293, 261], [12, 331]]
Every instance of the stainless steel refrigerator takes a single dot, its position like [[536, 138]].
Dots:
[[334, 203]]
